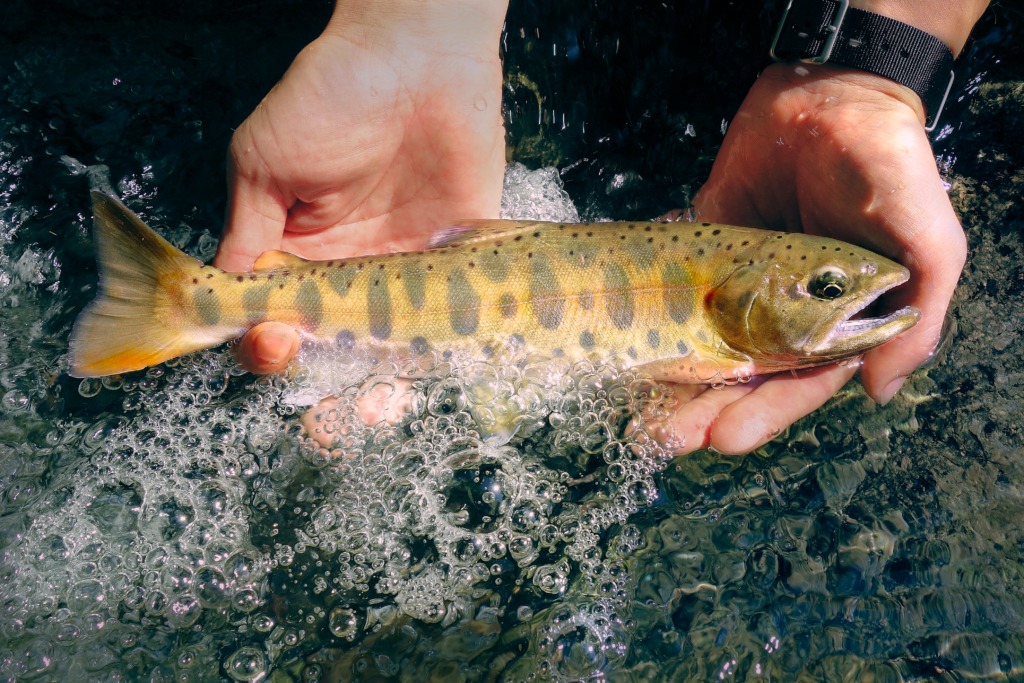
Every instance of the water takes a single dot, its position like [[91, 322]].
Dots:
[[179, 524]]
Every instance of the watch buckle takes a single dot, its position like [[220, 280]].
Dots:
[[832, 31]]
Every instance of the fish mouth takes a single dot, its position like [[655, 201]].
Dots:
[[848, 334]]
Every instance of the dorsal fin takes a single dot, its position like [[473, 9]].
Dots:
[[468, 231], [275, 258]]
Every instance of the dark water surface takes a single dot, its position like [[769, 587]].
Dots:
[[169, 526]]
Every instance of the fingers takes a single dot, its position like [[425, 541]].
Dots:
[[257, 211], [783, 399], [931, 243], [268, 348], [690, 427], [737, 419]]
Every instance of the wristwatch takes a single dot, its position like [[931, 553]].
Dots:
[[820, 31]]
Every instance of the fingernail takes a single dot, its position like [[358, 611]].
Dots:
[[890, 390], [273, 347]]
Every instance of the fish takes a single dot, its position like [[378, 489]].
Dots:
[[685, 302]]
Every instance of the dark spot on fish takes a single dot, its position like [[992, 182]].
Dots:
[[195, 281], [728, 247], [716, 232], [682, 348], [771, 256], [240, 278], [536, 234], [789, 246], [516, 342], [803, 257], [345, 340], [631, 352], [706, 225], [647, 229], [698, 233], [653, 339], [744, 243], [529, 255], [330, 264], [700, 252], [650, 240], [590, 234], [575, 234], [675, 238], [587, 340], [209, 275], [518, 237]]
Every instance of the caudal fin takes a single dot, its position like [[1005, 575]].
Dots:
[[134, 322]]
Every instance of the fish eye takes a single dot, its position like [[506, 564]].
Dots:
[[828, 284]]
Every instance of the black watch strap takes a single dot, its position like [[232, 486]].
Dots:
[[822, 31]]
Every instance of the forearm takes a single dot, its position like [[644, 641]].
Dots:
[[950, 21], [460, 26]]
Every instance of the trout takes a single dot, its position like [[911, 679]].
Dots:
[[688, 302]]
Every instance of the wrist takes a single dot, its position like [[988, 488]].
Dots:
[[806, 95], [950, 21], [458, 26]]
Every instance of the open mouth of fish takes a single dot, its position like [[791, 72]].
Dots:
[[854, 332]]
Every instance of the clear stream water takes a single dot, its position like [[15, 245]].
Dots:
[[177, 524]]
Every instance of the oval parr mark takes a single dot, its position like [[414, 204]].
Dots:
[[419, 345], [618, 296], [378, 309], [508, 305], [678, 292], [207, 305], [587, 340], [547, 299], [345, 340], [415, 280], [309, 305], [463, 304], [255, 302], [653, 339]]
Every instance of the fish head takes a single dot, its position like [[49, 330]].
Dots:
[[799, 300]]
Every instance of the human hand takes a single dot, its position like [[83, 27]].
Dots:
[[385, 128], [839, 153]]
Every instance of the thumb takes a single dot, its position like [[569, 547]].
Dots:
[[256, 212]]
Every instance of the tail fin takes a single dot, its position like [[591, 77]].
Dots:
[[134, 322]]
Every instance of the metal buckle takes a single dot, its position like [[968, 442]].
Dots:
[[942, 105], [830, 40]]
